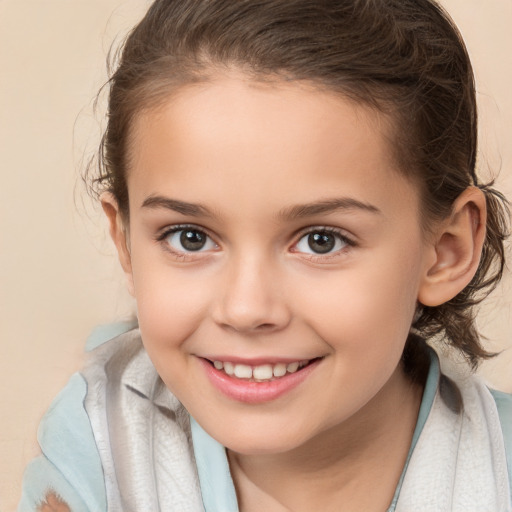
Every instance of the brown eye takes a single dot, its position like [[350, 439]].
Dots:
[[189, 240], [321, 241], [192, 240]]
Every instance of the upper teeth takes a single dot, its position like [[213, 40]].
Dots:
[[261, 372]]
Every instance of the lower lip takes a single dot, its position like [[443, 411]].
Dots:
[[256, 392]]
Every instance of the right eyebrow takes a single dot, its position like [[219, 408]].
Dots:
[[192, 209]]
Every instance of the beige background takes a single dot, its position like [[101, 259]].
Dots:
[[58, 276]]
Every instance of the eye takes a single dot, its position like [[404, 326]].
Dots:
[[188, 239], [321, 241]]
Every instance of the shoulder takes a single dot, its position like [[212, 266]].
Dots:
[[68, 472], [460, 451], [489, 410], [114, 412]]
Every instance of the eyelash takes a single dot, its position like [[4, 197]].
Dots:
[[187, 255]]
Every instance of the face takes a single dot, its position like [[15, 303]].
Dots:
[[275, 253]]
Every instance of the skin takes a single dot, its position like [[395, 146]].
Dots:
[[249, 153]]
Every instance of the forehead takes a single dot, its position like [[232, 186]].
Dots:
[[293, 138]]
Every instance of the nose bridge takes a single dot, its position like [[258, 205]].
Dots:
[[252, 297]]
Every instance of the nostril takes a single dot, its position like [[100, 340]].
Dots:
[[266, 327]]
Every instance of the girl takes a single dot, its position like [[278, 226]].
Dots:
[[291, 189]]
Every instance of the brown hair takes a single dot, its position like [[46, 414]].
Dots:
[[403, 57]]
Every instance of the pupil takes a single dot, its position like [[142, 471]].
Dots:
[[192, 240], [321, 242]]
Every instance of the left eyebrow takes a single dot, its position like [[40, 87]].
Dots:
[[326, 206]]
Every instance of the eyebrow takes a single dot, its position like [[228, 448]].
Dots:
[[192, 209], [326, 206], [293, 212]]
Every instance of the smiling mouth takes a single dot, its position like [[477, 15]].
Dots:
[[261, 373]]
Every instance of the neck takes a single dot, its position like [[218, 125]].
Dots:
[[354, 466]]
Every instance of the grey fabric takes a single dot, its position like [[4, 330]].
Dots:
[[459, 462], [141, 430]]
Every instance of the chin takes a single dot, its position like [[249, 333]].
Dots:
[[261, 443]]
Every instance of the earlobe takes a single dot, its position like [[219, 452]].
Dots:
[[118, 233], [457, 248]]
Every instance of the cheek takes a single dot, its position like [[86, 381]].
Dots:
[[170, 303], [366, 310]]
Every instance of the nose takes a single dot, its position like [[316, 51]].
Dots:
[[252, 299]]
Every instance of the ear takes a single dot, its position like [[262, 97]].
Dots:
[[118, 233], [456, 250]]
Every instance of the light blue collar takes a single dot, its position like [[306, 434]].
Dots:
[[427, 400], [217, 489]]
